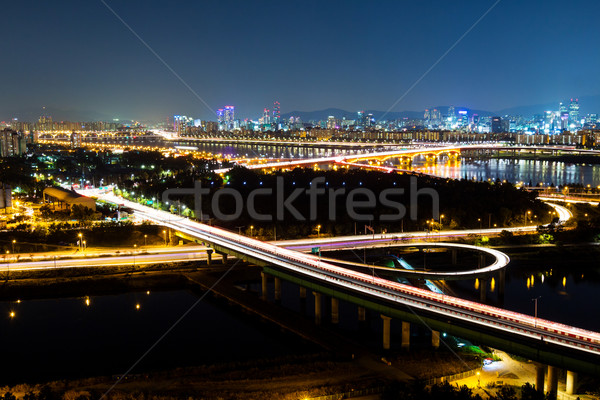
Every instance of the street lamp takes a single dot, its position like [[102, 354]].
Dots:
[[134, 248], [13, 245], [318, 230], [145, 240], [80, 235], [251, 229], [536, 309], [165, 235]]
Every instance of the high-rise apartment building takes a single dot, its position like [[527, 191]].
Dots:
[[180, 124], [12, 143]]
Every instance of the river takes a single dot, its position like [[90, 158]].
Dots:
[[66, 338]]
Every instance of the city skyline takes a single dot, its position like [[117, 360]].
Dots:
[[308, 56]]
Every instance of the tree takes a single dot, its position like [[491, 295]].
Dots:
[[506, 393], [529, 392], [81, 213]]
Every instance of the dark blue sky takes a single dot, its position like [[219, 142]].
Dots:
[[309, 55]]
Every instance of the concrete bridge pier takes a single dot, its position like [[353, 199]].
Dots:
[[264, 288], [318, 308], [277, 289], [501, 283], [405, 335], [335, 313], [571, 382], [224, 258], [302, 300], [362, 314], [483, 283], [435, 339], [386, 331], [209, 257], [540, 375], [552, 382], [302, 293], [454, 256]]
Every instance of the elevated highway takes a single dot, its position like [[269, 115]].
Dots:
[[541, 340]]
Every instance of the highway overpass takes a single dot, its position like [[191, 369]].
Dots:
[[545, 341]]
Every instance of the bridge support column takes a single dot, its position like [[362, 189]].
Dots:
[[454, 256], [405, 335], [317, 307], [571, 382], [501, 282], [386, 331], [209, 257], [224, 259], [263, 286], [481, 260], [302, 300], [483, 282], [277, 289], [435, 339], [362, 314], [552, 382], [540, 375], [335, 313]]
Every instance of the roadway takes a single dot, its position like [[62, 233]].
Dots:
[[161, 255]]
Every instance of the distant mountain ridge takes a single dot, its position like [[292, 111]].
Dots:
[[320, 115], [587, 104]]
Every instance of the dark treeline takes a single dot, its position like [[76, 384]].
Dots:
[[463, 203]]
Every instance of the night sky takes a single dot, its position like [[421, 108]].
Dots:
[[309, 55]]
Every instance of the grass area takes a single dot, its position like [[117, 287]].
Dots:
[[295, 377], [427, 364]]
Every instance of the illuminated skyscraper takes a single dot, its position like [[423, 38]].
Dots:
[[221, 118], [360, 118], [574, 113], [436, 116], [496, 125], [266, 118], [229, 117], [276, 112]]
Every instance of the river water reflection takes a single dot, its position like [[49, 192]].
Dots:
[[527, 171], [66, 338]]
